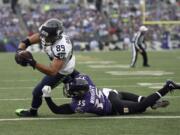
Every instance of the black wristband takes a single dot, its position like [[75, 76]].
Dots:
[[26, 42]]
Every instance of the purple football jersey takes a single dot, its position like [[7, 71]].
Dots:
[[94, 101]]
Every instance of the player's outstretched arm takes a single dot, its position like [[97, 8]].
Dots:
[[62, 109]]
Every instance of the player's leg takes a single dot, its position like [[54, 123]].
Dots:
[[121, 106], [152, 100], [137, 98], [37, 94], [134, 56], [130, 96], [130, 107], [52, 81]]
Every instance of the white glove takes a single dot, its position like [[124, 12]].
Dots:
[[46, 91]]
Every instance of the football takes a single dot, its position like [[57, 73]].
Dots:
[[22, 58]]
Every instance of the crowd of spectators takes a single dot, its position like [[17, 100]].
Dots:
[[10, 30], [103, 25], [163, 10]]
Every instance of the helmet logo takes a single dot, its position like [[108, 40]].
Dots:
[[44, 33]]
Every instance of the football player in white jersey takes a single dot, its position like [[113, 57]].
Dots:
[[59, 49]]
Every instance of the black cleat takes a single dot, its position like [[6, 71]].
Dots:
[[25, 113], [146, 65], [132, 66], [171, 85], [160, 104]]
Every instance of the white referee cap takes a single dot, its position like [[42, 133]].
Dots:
[[143, 28]]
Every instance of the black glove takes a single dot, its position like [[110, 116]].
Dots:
[[28, 58], [24, 58], [19, 60]]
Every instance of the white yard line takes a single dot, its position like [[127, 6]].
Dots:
[[19, 80], [26, 99], [89, 118], [131, 78], [9, 88], [139, 73]]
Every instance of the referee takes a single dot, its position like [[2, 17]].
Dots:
[[139, 45]]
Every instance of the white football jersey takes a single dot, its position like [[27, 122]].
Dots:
[[62, 49]]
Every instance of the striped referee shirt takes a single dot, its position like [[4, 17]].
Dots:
[[138, 40]]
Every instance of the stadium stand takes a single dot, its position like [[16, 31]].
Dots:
[[92, 25]]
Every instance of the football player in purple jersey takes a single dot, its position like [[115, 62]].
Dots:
[[86, 98]]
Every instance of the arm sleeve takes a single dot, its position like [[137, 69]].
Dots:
[[62, 109]]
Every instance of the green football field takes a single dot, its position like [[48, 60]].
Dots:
[[107, 69]]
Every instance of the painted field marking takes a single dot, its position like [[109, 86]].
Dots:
[[155, 87], [10, 81], [27, 99], [97, 62], [90, 118], [151, 85], [109, 66], [140, 73], [12, 88]]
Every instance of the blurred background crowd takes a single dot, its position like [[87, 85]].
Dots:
[[92, 24]]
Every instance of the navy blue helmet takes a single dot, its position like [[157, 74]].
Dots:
[[51, 31], [76, 88]]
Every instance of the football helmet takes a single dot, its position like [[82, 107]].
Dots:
[[76, 88], [50, 31]]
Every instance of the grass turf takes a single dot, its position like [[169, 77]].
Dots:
[[17, 83]]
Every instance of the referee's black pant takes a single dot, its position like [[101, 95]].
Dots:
[[135, 55]]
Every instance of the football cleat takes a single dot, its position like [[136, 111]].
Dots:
[[170, 85], [160, 104], [25, 113], [132, 66], [146, 65]]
